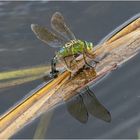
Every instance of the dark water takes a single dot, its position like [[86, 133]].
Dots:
[[119, 92]]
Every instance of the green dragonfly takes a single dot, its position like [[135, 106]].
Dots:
[[70, 47], [83, 104]]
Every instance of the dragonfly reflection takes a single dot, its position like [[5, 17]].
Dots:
[[86, 103]]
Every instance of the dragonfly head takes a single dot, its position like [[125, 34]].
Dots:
[[89, 46]]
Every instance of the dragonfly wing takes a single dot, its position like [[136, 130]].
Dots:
[[77, 109], [46, 36], [59, 25], [94, 107]]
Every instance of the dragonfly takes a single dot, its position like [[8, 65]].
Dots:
[[70, 49], [83, 104], [64, 38]]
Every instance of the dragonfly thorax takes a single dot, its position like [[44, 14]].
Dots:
[[75, 47]]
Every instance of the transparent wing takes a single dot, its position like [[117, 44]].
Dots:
[[77, 109], [46, 36], [94, 107], [59, 25]]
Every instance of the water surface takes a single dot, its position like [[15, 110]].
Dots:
[[119, 92]]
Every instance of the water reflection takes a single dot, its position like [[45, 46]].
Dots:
[[79, 106], [86, 103]]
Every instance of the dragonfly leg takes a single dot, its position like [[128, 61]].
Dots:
[[73, 61], [68, 68], [53, 72], [66, 64], [84, 57], [91, 57]]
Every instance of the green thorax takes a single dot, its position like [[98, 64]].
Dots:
[[75, 47]]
